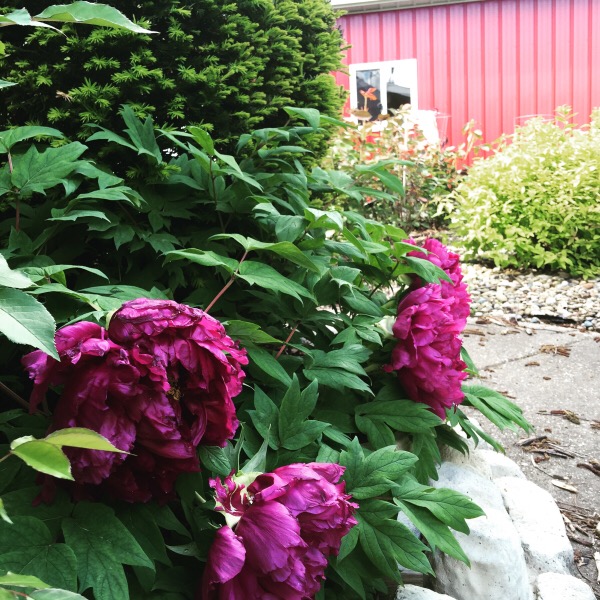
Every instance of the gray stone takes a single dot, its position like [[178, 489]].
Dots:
[[500, 465], [539, 524], [414, 592], [470, 481], [554, 586], [498, 570]]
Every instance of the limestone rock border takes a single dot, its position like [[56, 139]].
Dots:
[[518, 551]]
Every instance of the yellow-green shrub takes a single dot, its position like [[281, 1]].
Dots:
[[536, 201]]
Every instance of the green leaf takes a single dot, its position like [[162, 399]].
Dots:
[[288, 228], [329, 219], [389, 542], [12, 279], [379, 470], [24, 320], [496, 407], [25, 581], [118, 193], [450, 507], [311, 115], [438, 535], [265, 417], [348, 544], [53, 563], [141, 523], [21, 17], [42, 456], [258, 463], [361, 304], [35, 172], [3, 514], [308, 432], [425, 446], [203, 139], [22, 503], [286, 250], [337, 379], [13, 136], [401, 415], [79, 437], [28, 548], [55, 594], [378, 433], [215, 459], [40, 273], [298, 405], [206, 258], [471, 368], [425, 269], [74, 215], [247, 332], [142, 134], [267, 277], [351, 575], [91, 14], [339, 368], [102, 545], [268, 364]]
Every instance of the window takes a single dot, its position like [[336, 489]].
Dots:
[[377, 87]]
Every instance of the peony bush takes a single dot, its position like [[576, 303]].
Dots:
[[218, 413]]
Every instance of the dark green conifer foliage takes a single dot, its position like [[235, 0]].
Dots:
[[229, 66]]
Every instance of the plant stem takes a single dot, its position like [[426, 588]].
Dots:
[[14, 396], [228, 284], [17, 207], [289, 337], [387, 282]]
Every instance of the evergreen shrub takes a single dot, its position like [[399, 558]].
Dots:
[[227, 66]]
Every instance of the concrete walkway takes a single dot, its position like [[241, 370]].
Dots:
[[553, 374]]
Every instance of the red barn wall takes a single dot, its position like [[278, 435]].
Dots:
[[491, 61]]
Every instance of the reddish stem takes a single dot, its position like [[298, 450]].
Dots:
[[228, 284], [289, 337]]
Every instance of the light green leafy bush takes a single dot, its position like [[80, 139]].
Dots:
[[536, 201]]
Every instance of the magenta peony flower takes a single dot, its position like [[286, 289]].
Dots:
[[156, 396], [427, 355], [280, 531], [189, 355], [456, 291]]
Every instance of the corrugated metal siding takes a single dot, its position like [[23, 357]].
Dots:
[[492, 61]]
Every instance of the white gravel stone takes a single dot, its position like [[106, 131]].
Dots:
[[567, 300], [554, 586]]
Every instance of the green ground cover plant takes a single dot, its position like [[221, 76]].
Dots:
[[534, 202], [219, 410]]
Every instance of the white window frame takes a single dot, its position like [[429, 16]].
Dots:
[[402, 70]]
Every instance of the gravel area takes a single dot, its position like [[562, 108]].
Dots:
[[533, 297]]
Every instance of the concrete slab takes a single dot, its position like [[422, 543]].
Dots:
[[559, 392]]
